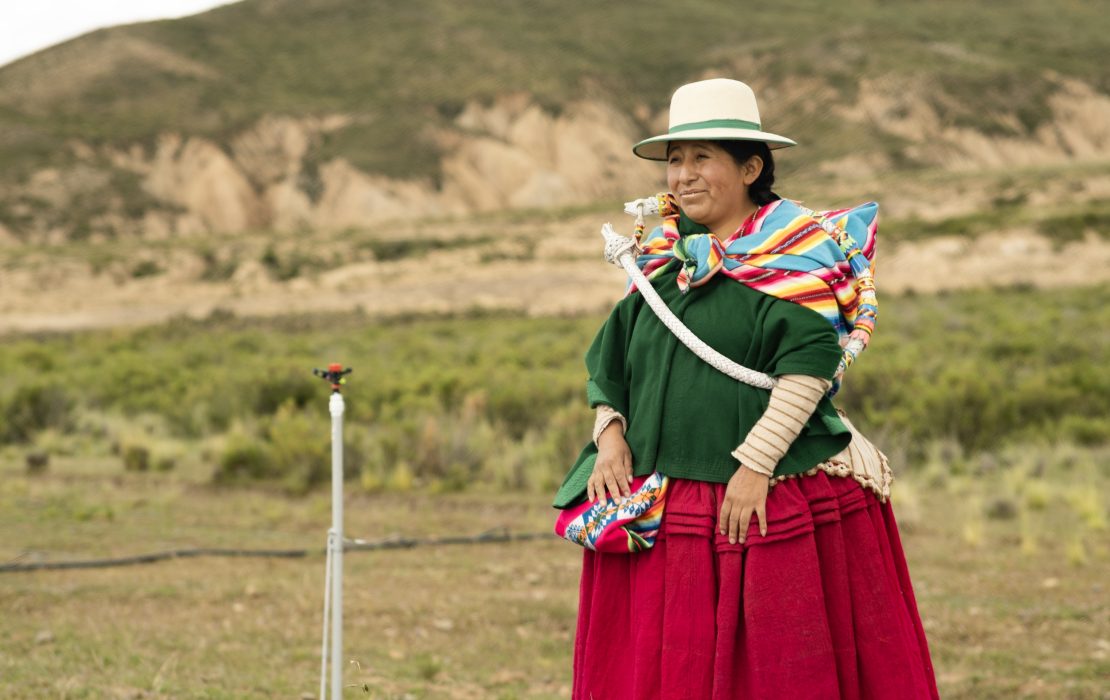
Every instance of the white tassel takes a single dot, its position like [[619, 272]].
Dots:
[[640, 207]]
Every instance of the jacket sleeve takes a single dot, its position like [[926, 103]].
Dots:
[[606, 360], [608, 385], [800, 341]]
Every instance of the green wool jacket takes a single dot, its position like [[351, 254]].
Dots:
[[684, 417]]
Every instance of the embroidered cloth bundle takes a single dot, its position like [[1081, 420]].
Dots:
[[629, 524]]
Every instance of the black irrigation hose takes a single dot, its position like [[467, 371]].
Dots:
[[490, 536]]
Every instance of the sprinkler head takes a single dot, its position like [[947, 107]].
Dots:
[[335, 374]]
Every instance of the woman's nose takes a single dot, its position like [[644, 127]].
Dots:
[[686, 173]]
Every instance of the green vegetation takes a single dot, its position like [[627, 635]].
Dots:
[[1061, 225], [497, 401], [1073, 225], [97, 191], [391, 66]]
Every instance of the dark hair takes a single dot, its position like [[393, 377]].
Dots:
[[741, 151]]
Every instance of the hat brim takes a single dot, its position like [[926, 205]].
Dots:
[[655, 148]]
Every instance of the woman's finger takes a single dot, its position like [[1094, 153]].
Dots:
[[722, 519], [590, 488], [734, 524], [761, 513], [611, 483], [742, 524], [620, 479], [597, 481]]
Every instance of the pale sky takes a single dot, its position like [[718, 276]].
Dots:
[[29, 25]]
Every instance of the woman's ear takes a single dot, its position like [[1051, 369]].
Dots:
[[751, 169]]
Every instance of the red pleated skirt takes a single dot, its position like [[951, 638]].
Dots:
[[822, 607]]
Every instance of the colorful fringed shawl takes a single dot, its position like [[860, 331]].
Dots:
[[821, 260]]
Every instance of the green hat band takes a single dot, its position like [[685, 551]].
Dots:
[[715, 124]]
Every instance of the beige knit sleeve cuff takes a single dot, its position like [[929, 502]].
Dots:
[[605, 416], [793, 401]]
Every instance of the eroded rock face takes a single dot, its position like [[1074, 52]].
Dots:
[[354, 198], [508, 154], [1078, 131], [205, 181], [1082, 125], [274, 149], [511, 154], [516, 155]]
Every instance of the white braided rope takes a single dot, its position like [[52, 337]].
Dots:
[[621, 250]]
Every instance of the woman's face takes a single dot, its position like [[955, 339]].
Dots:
[[712, 188]]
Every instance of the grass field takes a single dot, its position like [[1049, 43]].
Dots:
[[1010, 565], [999, 438]]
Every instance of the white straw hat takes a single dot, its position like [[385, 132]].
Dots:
[[717, 110]]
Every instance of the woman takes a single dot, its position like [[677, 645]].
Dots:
[[777, 571]]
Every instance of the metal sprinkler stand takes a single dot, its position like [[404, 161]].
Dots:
[[335, 374]]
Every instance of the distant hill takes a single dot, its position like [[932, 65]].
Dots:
[[289, 114]]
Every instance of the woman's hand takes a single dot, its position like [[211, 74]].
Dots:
[[613, 468], [746, 494]]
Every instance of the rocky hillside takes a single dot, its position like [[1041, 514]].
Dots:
[[330, 114]]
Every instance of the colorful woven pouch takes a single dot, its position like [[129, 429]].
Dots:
[[629, 524]]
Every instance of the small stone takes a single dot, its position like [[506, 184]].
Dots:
[[44, 637], [506, 676], [988, 463], [1050, 583], [443, 624]]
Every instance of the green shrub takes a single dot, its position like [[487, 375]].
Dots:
[[292, 447], [1085, 430], [300, 448], [299, 387], [146, 268], [244, 457], [136, 458], [165, 463], [34, 407], [37, 462], [217, 268]]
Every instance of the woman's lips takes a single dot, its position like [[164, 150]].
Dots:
[[691, 193]]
